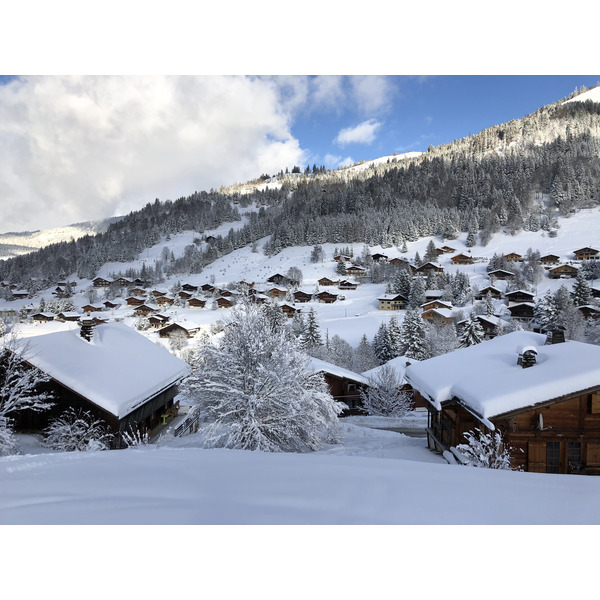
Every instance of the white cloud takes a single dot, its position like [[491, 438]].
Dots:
[[333, 161], [372, 93], [363, 133], [84, 148]]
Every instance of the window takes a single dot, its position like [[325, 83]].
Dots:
[[574, 456], [552, 457]]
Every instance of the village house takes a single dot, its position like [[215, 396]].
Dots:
[[69, 315], [188, 329], [543, 399], [347, 285], [279, 279], [461, 259], [157, 320], [435, 304], [513, 257], [438, 316], [344, 385], [144, 310], [589, 311], [289, 310], [137, 291], [325, 282], [277, 293], [224, 303], [326, 297], [89, 308], [135, 300], [518, 296], [356, 271], [501, 274], [123, 282], [164, 301], [398, 365], [120, 376], [110, 305], [43, 317], [495, 293], [447, 249], [587, 254], [184, 295], [157, 293], [563, 272], [196, 303], [343, 257], [301, 296], [489, 324], [392, 302], [523, 311], [188, 287], [19, 294], [102, 282], [427, 268], [400, 262], [378, 257], [549, 259], [207, 288], [433, 295]]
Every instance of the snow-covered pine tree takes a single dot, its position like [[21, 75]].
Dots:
[[312, 333], [257, 391], [489, 305], [382, 345], [8, 440], [413, 335], [581, 293], [364, 356], [384, 395], [472, 332], [416, 297]]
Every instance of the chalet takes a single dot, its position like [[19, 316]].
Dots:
[[344, 385], [189, 329], [224, 293], [184, 295], [343, 257], [356, 271], [433, 295], [595, 292], [301, 296], [224, 303], [495, 293], [68, 316], [102, 282], [501, 274], [278, 279], [209, 239], [347, 285], [513, 257], [142, 283], [43, 317], [259, 298], [563, 272], [135, 300], [144, 310], [164, 300], [447, 249], [207, 288], [196, 303], [326, 297], [398, 366], [89, 308], [123, 282], [277, 293], [378, 257], [586, 254], [325, 282], [157, 293], [518, 296], [187, 287], [137, 291], [404, 264], [436, 304], [522, 311], [121, 377], [60, 292], [462, 259], [157, 320], [427, 268], [110, 305], [392, 302], [543, 399], [549, 259], [288, 310], [438, 316], [19, 294], [589, 311]]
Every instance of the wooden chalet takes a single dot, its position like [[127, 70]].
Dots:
[[447, 249], [145, 310], [344, 385], [188, 287], [438, 316], [550, 259], [157, 293], [356, 271], [164, 300], [563, 272], [462, 259], [110, 305], [135, 300], [427, 268], [347, 285], [589, 311], [122, 378], [301, 296], [518, 296], [196, 303], [69, 315], [495, 293], [224, 303], [277, 293], [19, 294], [289, 310], [89, 308], [278, 279], [489, 324], [326, 297], [137, 291], [189, 329], [404, 264], [209, 239], [501, 274], [343, 257], [102, 282], [595, 292], [207, 288], [326, 282], [259, 298], [43, 317], [513, 257], [184, 295], [60, 292], [123, 282], [436, 304], [392, 302], [543, 399], [378, 257], [433, 295], [157, 320], [587, 254], [523, 311]]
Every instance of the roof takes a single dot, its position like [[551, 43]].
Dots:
[[398, 364], [118, 370], [487, 379], [320, 366]]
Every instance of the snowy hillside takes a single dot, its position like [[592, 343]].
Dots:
[[593, 95]]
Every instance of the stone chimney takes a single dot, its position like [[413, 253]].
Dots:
[[527, 357], [86, 325]]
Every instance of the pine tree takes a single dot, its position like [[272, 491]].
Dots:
[[489, 304], [312, 334], [364, 356], [582, 293], [416, 297], [384, 395], [472, 332], [413, 335], [382, 345], [395, 333]]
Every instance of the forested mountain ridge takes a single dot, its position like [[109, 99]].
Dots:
[[517, 175]]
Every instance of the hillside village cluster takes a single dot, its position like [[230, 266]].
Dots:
[[546, 430]]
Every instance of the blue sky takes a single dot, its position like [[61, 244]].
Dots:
[[79, 148]]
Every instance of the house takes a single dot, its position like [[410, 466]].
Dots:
[[288, 310], [513, 257], [189, 329], [495, 293], [137, 291], [433, 295], [325, 282], [157, 320], [184, 295], [68, 316], [301, 296], [500, 274], [210, 239], [344, 385], [343, 257], [224, 303], [19, 294], [549, 259], [347, 285], [518, 296], [543, 399], [589, 311], [144, 310], [392, 302], [400, 262], [188, 287], [398, 366], [102, 282], [563, 272], [157, 293], [164, 300], [356, 271], [587, 254], [135, 300], [121, 377], [523, 311], [462, 259], [378, 257], [438, 316], [123, 282], [447, 249], [326, 297], [436, 304], [595, 292], [43, 317], [277, 293], [89, 308], [427, 268], [110, 305], [278, 279], [207, 288], [196, 303]]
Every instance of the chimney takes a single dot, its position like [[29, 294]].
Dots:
[[555, 334], [527, 357], [87, 327]]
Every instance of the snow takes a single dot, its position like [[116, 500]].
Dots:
[[488, 380], [117, 370], [593, 95], [399, 365], [320, 366]]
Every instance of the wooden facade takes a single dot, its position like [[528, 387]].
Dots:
[[326, 282], [495, 293], [462, 259], [550, 259], [501, 274], [196, 303], [301, 296], [513, 257], [392, 302], [518, 296], [563, 272], [356, 271], [587, 254], [326, 297], [347, 285]]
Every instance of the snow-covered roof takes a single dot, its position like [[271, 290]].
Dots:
[[399, 364], [488, 380], [320, 366], [118, 370]]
